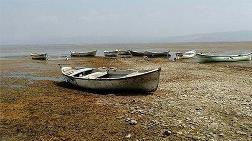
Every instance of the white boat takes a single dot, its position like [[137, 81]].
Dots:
[[37, 56], [118, 53], [111, 53], [188, 54], [101, 79], [83, 54], [204, 58]]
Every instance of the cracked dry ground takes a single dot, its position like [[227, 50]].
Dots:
[[193, 102]]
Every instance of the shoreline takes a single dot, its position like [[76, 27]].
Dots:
[[63, 50], [193, 102]]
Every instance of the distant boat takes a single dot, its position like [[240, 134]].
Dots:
[[137, 53], [112, 79], [124, 54], [156, 54], [188, 54], [37, 56], [204, 58], [83, 54], [111, 53], [118, 53]]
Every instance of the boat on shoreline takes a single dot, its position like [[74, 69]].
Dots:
[[37, 56], [83, 54], [188, 54], [156, 54], [110, 53], [179, 55], [118, 53], [103, 79], [204, 58], [124, 54], [137, 53]]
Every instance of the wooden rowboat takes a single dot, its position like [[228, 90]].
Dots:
[[118, 53], [83, 54], [124, 54], [111, 53], [112, 79], [37, 56], [204, 58], [156, 54], [137, 53]]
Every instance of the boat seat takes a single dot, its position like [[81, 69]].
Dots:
[[79, 71], [95, 75]]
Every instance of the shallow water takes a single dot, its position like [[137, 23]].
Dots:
[[55, 51], [61, 51]]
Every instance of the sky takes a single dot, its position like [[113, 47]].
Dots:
[[44, 21]]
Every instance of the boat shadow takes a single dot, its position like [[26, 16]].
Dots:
[[64, 84]]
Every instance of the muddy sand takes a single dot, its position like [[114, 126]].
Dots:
[[193, 102]]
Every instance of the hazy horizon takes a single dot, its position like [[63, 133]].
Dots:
[[114, 21]]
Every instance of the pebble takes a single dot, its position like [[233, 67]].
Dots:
[[128, 136], [199, 108], [167, 133], [131, 121], [221, 134], [127, 119]]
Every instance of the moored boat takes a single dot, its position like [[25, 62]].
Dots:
[[112, 79], [156, 54], [83, 54], [124, 54], [188, 54], [111, 53], [204, 58], [37, 56], [137, 53]]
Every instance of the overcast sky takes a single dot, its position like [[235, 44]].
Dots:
[[28, 21]]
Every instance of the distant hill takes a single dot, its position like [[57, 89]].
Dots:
[[236, 36]]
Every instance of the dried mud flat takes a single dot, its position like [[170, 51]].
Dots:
[[193, 102]]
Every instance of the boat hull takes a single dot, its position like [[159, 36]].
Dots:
[[124, 54], [110, 53], [228, 58], [156, 54], [83, 54], [187, 55], [136, 53], [146, 83], [39, 56]]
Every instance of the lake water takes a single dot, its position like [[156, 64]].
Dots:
[[57, 50], [64, 50]]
